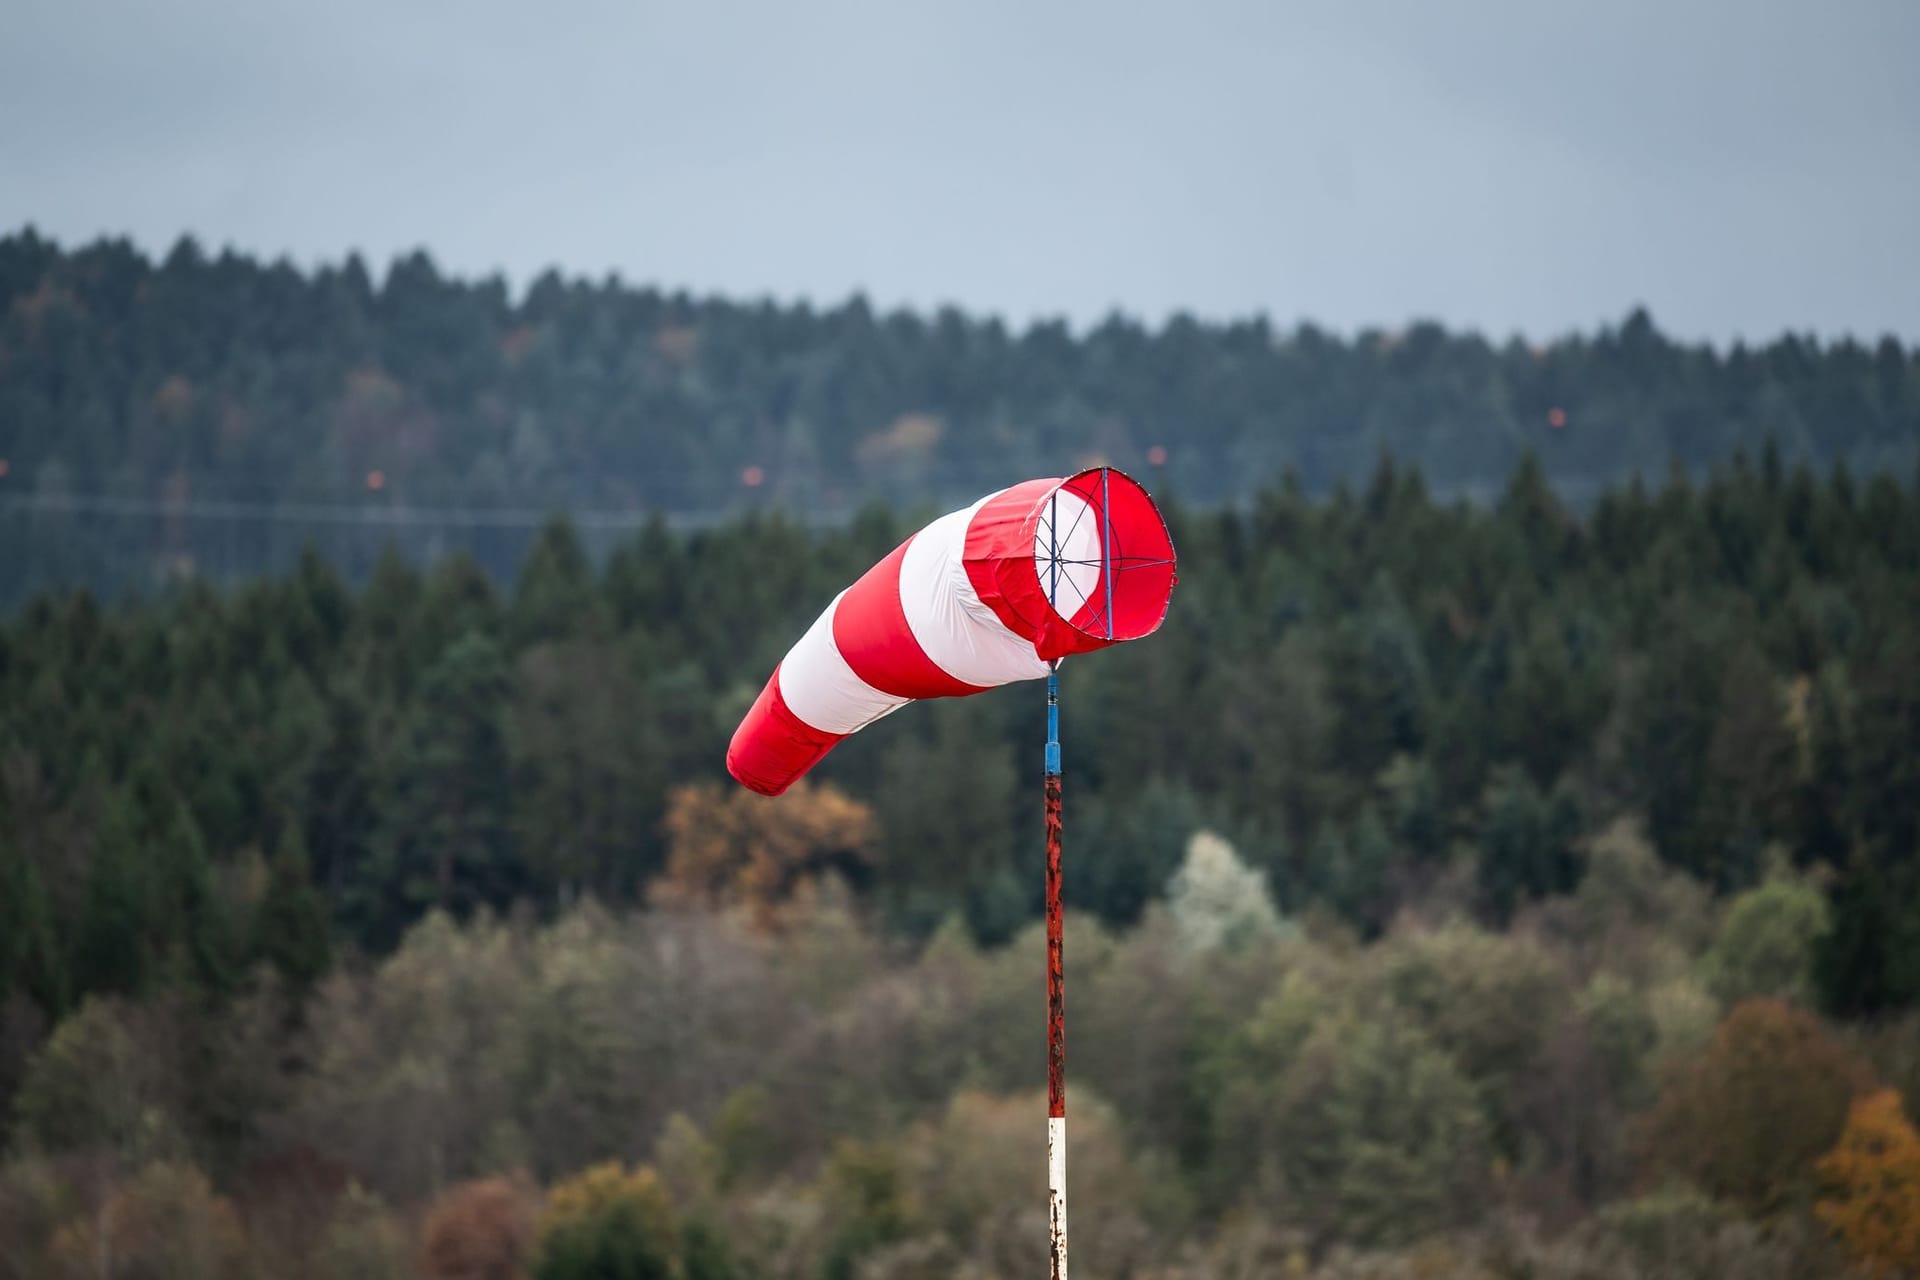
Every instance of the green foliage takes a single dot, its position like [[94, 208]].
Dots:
[[868, 1200], [361, 1240], [1678, 1234], [94, 1085], [113, 952], [448, 829], [1378, 1137], [408, 1080], [1526, 842], [946, 797], [30, 958], [1134, 841], [589, 773], [1488, 1001], [609, 1224], [1766, 943], [741, 1134], [291, 931], [1868, 960], [1415, 815], [704, 1254], [1621, 1028], [1275, 1104], [1353, 867]]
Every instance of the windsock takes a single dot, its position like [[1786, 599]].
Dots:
[[981, 597]]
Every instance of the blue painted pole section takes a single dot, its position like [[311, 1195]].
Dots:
[[1053, 721]]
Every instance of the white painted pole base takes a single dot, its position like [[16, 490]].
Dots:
[[1057, 1195]]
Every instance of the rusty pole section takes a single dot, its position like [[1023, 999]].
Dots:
[[1056, 1004]]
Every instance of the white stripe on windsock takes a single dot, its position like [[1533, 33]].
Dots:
[[823, 690], [962, 636]]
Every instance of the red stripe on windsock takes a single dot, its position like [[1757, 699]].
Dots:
[[999, 559], [773, 747], [870, 631]]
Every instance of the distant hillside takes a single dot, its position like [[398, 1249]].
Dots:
[[211, 414]]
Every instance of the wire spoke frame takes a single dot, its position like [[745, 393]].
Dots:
[[1118, 562]]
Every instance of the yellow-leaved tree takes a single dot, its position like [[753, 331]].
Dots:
[[1873, 1180], [609, 1221]]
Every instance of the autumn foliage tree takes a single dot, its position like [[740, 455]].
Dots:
[[167, 1223], [729, 848], [479, 1231], [1747, 1118], [1873, 1181], [609, 1223]]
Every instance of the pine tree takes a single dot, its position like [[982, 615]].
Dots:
[[291, 930], [588, 775], [339, 807], [122, 915], [1748, 781], [1526, 843], [556, 597], [1669, 731], [30, 958], [445, 833]]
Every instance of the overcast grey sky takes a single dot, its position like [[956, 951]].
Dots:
[[1526, 166]]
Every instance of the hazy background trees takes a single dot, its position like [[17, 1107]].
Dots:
[[215, 413]]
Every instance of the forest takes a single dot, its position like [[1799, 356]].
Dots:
[[211, 414], [1511, 888]]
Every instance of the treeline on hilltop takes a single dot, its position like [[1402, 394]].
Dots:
[[215, 412]]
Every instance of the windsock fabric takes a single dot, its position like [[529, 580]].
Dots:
[[979, 598]]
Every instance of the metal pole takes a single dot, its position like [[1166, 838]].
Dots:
[[1056, 1001], [1056, 974]]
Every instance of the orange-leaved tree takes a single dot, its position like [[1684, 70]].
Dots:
[[1873, 1177], [727, 847], [1748, 1116]]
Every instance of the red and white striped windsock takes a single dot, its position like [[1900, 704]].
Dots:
[[979, 598]]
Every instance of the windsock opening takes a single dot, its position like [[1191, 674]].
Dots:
[[1104, 556], [1074, 565]]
